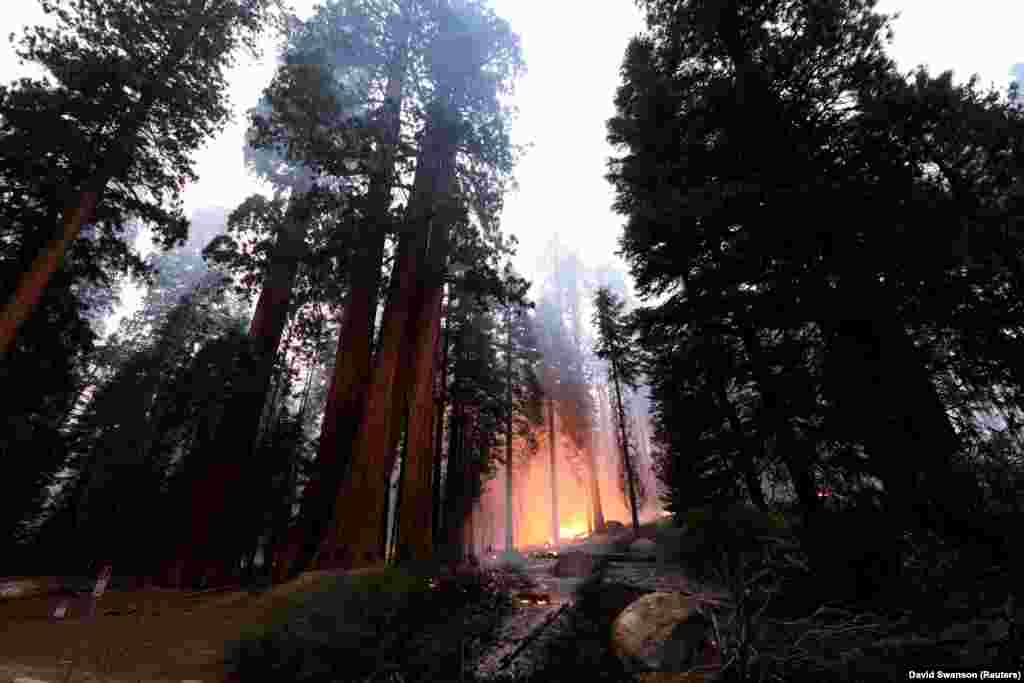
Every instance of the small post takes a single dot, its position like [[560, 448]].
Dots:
[[101, 586]]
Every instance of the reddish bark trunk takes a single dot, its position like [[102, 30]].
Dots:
[[595, 486], [417, 494], [454, 490], [553, 472], [33, 283], [353, 538], [345, 400], [353, 535], [439, 409], [31, 286], [220, 521], [352, 368]]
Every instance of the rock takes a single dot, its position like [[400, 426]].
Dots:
[[662, 632], [643, 546], [574, 564]]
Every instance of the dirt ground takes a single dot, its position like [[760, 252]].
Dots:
[[145, 635]]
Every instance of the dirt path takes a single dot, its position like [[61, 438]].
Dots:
[[529, 614], [531, 623], [145, 635]]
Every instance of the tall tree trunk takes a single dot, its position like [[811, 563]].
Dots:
[[746, 467], [595, 486], [868, 349], [509, 512], [219, 512], [453, 493], [82, 212], [627, 459], [509, 532], [396, 532], [353, 538], [439, 410], [435, 518], [455, 431], [800, 458], [32, 284], [553, 473], [463, 509], [417, 501], [903, 417], [352, 366]]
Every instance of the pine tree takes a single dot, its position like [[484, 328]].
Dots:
[[151, 77], [614, 344], [715, 237]]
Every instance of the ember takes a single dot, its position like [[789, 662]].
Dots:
[[530, 598]]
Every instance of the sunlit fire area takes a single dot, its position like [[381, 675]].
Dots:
[[532, 510]]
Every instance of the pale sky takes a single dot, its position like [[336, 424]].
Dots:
[[573, 49]]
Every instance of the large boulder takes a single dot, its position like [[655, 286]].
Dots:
[[573, 564], [664, 632]]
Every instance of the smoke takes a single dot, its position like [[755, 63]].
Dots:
[[576, 381], [1017, 83]]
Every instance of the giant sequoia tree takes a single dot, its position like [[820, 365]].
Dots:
[[140, 85], [816, 337], [462, 156]]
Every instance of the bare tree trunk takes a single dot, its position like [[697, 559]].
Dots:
[[627, 460], [595, 488], [553, 472], [509, 532], [509, 521]]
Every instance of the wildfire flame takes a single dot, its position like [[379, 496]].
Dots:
[[532, 507]]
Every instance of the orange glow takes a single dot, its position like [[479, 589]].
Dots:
[[572, 531], [531, 506]]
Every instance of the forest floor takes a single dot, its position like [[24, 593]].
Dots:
[[165, 636], [154, 635]]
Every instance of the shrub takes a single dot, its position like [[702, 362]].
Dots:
[[413, 625], [344, 628], [865, 565]]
